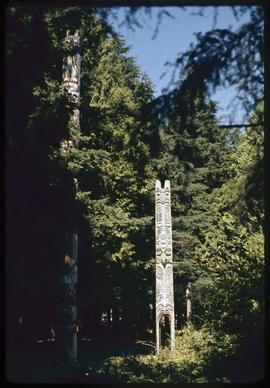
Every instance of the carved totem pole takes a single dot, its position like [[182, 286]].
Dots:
[[164, 262], [66, 314], [188, 298]]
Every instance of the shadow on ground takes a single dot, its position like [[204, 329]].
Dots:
[[38, 364]]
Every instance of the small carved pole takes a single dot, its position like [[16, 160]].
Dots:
[[188, 298], [66, 335], [164, 263]]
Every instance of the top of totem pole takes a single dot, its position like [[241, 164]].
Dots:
[[76, 33], [167, 185], [73, 39], [188, 289]]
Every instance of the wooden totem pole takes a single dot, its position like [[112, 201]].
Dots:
[[188, 298], [66, 311], [164, 263]]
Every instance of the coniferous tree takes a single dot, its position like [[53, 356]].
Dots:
[[111, 159], [230, 262], [196, 157]]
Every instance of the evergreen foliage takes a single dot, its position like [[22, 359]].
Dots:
[[126, 141], [196, 157], [232, 256], [226, 57], [111, 161]]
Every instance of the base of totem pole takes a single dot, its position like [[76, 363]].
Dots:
[[65, 373], [66, 343]]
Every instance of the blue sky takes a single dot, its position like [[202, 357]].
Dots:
[[175, 36]]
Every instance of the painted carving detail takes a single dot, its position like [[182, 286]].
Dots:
[[164, 278]]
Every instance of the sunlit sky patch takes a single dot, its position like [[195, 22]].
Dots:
[[175, 36]]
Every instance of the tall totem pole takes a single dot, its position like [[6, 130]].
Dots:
[[66, 312], [188, 298], [164, 263]]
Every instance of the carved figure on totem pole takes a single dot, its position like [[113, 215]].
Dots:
[[164, 262], [71, 67]]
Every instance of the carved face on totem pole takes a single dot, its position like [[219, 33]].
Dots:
[[72, 91], [71, 68]]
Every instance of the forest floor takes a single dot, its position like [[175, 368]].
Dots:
[[37, 364]]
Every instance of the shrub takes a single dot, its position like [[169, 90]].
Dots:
[[196, 351]]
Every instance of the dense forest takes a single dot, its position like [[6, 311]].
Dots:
[[126, 140]]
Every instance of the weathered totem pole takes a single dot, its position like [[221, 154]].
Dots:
[[188, 298], [164, 262], [66, 314]]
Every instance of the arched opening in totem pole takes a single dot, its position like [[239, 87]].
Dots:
[[165, 331]]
